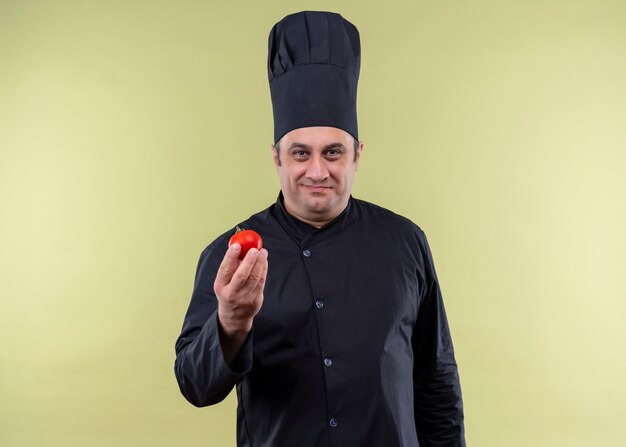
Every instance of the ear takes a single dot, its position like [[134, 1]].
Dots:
[[275, 157], [358, 155]]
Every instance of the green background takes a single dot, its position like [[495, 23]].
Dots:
[[132, 133]]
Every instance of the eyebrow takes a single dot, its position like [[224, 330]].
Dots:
[[306, 146]]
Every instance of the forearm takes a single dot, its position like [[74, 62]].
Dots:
[[232, 339], [203, 375], [439, 417]]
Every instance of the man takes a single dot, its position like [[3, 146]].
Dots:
[[340, 337]]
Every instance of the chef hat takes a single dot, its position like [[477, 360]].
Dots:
[[313, 65]]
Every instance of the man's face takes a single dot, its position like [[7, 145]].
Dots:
[[316, 172]]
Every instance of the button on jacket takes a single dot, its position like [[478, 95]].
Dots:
[[351, 346]]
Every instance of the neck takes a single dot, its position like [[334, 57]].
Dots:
[[317, 222]]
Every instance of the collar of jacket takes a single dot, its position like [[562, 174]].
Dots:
[[300, 230]]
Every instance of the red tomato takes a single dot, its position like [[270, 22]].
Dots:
[[247, 239]]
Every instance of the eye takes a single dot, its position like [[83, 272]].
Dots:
[[333, 153], [300, 154]]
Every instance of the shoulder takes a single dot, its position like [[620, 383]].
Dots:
[[392, 228], [378, 215], [387, 231]]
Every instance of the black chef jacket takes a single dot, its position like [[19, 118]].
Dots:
[[351, 346]]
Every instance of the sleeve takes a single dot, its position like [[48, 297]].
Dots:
[[203, 376], [439, 418]]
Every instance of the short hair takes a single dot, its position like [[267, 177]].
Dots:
[[277, 148]]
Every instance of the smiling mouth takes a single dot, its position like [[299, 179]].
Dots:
[[316, 188]]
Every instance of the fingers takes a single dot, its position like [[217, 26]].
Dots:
[[228, 266], [257, 274], [249, 271], [258, 288], [241, 274], [240, 299]]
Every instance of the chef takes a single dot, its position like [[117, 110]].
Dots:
[[335, 332]]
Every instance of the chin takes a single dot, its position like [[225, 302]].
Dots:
[[320, 209], [316, 208]]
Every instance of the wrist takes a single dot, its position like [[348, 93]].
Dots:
[[234, 328]]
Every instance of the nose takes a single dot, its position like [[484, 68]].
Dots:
[[316, 169]]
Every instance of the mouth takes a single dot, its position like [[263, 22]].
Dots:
[[316, 188]]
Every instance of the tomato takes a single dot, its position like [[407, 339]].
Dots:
[[247, 239]]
